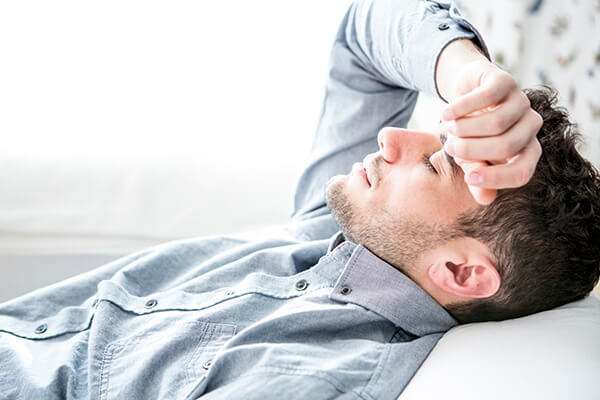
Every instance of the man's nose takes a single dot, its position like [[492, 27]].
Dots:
[[389, 143], [396, 143]]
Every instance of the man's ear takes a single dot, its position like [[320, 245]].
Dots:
[[464, 271]]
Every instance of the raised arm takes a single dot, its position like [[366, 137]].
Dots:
[[384, 53]]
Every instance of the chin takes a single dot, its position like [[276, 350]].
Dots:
[[338, 200], [336, 180]]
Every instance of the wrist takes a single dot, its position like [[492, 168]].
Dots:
[[453, 58]]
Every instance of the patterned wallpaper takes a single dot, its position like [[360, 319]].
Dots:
[[554, 42]]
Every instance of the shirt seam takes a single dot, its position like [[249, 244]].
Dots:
[[22, 336], [131, 311]]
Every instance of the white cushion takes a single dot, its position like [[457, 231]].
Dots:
[[550, 355]]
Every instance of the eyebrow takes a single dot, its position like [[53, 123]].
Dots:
[[455, 168]]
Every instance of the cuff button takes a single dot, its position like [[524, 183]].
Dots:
[[443, 26]]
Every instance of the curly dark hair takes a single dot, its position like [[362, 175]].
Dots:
[[545, 236]]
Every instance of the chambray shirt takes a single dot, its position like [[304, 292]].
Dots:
[[294, 312]]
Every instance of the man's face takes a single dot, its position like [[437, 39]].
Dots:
[[402, 200]]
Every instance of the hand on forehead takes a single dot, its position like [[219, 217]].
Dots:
[[490, 131]]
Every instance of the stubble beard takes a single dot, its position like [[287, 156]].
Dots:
[[340, 206], [393, 237]]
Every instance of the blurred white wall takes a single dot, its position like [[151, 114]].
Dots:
[[129, 78], [155, 119]]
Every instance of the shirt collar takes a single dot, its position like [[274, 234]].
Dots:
[[335, 241], [372, 283]]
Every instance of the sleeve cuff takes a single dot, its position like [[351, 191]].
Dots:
[[437, 30]]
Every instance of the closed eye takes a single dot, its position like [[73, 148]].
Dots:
[[429, 165]]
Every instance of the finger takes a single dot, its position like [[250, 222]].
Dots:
[[483, 196], [488, 95], [493, 122], [515, 173], [498, 147]]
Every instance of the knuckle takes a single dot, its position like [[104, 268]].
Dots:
[[497, 148], [508, 80], [504, 149], [498, 123], [524, 176], [504, 80], [514, 146], [488, 96]]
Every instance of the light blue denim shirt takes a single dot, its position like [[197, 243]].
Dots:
[[292, 313]]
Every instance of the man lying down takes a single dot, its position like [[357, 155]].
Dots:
[[377, 263]]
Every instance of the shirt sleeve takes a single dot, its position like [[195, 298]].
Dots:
[[385, 53]]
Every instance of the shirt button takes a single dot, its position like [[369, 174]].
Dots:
[[151, 303], [207, 364], [443, 26], [301, 285], [346, 290], [41, 329]]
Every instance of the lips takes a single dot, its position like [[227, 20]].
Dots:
[[364, 171], [370, 164], [359, 169]]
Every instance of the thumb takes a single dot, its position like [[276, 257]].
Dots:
[[482, 196]]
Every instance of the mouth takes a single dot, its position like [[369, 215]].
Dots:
[[366, 175], [371, 165], [360, 169]]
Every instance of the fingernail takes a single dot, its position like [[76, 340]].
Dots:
[[474, 178], [448, 115]]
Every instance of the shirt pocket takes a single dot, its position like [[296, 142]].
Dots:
[[164, 364]]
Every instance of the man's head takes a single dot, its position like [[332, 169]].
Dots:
[[534, 248]]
